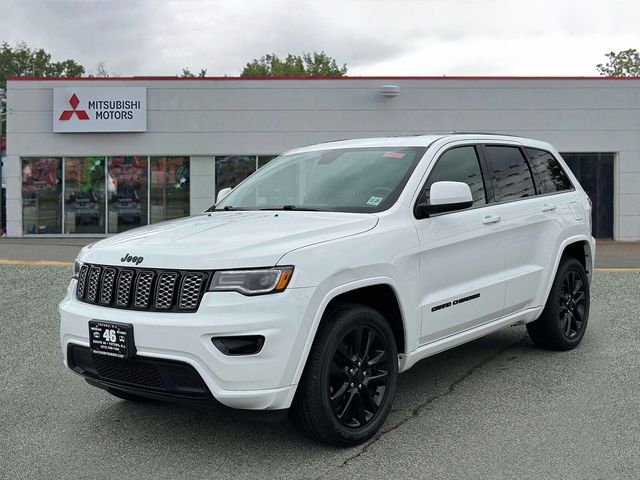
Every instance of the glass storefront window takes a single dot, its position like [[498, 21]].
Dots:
[[170, 188], [84, 185], [264, 159], [232, 169], [41, 195], [127, 193]]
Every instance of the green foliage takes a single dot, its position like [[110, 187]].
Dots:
[[186, 73], [621, 64], [21, 61], [316, 64]]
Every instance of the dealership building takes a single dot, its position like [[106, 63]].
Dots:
[[96, 157]]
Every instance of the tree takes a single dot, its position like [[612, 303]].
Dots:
[[316, 64], [186, 73], [621, 64], [101, 69], [20, 61]]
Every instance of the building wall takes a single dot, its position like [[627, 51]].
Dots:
[[208, 117]]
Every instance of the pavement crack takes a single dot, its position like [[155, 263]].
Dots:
[[426, 403]]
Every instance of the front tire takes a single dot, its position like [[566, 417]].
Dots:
[[349, 382], [563, 321]]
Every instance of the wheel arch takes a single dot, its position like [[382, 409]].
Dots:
[[374, 292], [580, 247]]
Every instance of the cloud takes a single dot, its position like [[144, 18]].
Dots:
[[374, 37]]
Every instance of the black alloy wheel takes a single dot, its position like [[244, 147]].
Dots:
[[572, 304], [358, 376], [563, 322], [348, 385]]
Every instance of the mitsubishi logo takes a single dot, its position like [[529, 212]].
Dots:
[[67, 114]]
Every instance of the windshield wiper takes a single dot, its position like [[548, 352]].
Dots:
[[227, 208], [300, 209]]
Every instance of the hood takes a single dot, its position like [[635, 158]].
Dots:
[[226, 239]]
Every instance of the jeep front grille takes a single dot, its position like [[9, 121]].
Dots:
[[141, 288]]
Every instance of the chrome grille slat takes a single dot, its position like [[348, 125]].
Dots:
[[144, 282], [82, 281], [106, 286], [123, 295], [190, 290], [93, 283], [165, 290], [141, 288]]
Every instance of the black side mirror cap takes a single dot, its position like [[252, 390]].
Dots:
[[424, 210]]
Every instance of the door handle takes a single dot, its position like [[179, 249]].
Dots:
[[548, 207], [491, 219]]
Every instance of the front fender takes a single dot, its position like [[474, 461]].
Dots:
[[321, 300]]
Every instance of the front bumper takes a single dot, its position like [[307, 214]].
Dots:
[[263, 381]]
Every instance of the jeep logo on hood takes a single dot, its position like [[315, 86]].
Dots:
[[128, 258]]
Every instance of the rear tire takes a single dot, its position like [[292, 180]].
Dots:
[[349, 382], [563, 322]]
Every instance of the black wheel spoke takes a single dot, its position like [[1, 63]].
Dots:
[[377, 358], [361, 416], [347, 405], [370, 338], [380, 376], [358, 376], [566, 323], [357, 341], [337, 396], [369, 401], [577, 288]]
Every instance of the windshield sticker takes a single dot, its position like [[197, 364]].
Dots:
[[393, 154], [374, 201]]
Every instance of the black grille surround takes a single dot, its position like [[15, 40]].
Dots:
[[144, 289]]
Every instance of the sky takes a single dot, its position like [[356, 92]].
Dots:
[[373, 37]]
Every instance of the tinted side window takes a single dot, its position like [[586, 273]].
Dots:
[[509, 173], [458, 165], [550, 177]]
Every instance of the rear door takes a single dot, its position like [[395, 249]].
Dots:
[[462, 255], [531, 221]]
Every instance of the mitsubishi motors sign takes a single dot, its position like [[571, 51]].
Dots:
[[99, 109]]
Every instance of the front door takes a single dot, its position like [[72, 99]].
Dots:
[[463, 253]]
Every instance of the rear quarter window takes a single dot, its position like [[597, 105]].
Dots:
[[549, 174]]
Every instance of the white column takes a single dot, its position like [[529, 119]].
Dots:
[[203, 183], [12, 178]]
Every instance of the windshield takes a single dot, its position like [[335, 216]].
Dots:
[[340, 180]]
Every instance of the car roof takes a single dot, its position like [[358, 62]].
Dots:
[[419, 141]]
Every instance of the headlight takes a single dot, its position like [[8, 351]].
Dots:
[[252, 282], [77, 265]]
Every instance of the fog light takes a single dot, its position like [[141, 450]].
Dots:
[[246, 345]]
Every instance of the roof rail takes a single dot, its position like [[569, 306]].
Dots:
[[456, 132]]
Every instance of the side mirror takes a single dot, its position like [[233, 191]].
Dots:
[[445, 197], [222, 193]]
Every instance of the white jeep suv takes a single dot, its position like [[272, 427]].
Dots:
[[321, 277]]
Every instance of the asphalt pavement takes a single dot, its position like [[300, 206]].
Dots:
[[495, 408]]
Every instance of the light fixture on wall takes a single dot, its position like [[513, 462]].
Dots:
[[389, 91]]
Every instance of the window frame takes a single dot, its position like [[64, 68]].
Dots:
[[536, 177], [522, 150], [483, 172]]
